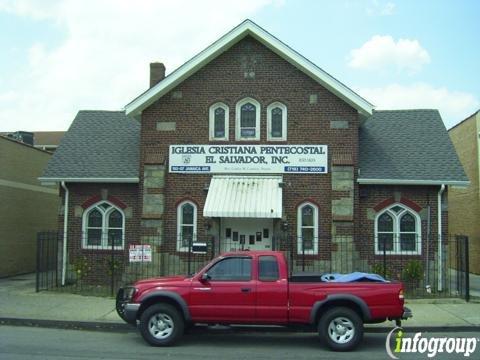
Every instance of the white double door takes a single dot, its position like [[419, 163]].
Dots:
[[246, 234]]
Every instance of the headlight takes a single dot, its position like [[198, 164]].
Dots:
[[128, 293]]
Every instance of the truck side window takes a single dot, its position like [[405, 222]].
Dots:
[[231, 269], [268, 268]]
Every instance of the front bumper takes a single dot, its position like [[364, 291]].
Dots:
[[125, 309], [130, 312]]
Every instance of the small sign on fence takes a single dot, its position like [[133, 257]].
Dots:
[[140, 253], [199, 248]]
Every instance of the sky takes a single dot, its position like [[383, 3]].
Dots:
[[59, 57]]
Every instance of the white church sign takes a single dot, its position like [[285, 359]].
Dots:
[[269, 159]]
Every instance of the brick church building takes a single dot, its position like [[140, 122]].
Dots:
[[249, 143]]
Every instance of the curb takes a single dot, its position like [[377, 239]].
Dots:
[[68, 325], [438, 329], [120, 327]]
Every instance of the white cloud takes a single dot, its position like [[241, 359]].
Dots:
[[383, 52], [453, 105], [377, 8], [102, 63]]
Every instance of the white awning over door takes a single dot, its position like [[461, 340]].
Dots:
[[244, 196]]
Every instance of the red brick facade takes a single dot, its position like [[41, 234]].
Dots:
[[418, 198], [275, 80], [95, 263], [309, 122]]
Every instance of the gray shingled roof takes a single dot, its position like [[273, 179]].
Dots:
[[394, 145], [99, 144], [408, 145]]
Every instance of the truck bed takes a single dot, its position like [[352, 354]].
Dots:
[[313, 277]]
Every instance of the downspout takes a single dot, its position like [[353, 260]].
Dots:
[[440, 245], [428, 287], [65, 228]]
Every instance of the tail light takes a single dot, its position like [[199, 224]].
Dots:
[[400, 295]]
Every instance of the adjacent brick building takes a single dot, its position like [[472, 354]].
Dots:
[[246, 145], [464, 203], [25, 207]]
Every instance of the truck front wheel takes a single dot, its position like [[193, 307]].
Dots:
[[161, 325], [341, 328]]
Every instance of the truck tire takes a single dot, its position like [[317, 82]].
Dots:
[[161, 325], [341, 328]]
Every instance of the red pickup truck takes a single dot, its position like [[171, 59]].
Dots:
[[254, 287]]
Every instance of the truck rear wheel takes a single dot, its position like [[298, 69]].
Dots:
[[161, 325], [341, 329]]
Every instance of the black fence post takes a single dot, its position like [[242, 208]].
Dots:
[[112, 266], [293, 247], [384, 258], [189, 259], [37, 280], [56, 234], [303, 254], [467, 271]]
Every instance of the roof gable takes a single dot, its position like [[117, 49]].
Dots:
[[135, 107]]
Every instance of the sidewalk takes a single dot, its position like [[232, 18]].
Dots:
[[19, 303], [18, 299]]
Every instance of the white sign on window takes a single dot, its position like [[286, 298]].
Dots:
[[277, 159], [140, 253]]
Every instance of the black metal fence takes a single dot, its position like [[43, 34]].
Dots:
[[427, 267]]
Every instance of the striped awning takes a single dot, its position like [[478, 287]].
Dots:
[[244, 196]]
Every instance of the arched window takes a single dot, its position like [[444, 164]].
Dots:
[[277, 122], [186, 225], [218, 115], [103, 223], [247, 120], [398, 231], [307, 229]]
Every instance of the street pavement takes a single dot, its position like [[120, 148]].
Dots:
[[20, 304], [34, 343]]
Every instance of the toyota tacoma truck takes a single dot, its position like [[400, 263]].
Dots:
[[254, 287]]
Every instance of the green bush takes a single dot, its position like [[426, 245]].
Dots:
[[113, 266], [378, 268], [82, 267], [412, 271]]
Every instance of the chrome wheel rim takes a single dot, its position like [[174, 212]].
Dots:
[[160, 326], [341, 330]]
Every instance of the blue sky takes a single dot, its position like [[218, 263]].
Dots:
[[62, 56]]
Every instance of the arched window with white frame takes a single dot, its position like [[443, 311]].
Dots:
[[307, 228], [398, 231], [247, 120], [277, 122], [218, 122], [103, 224], [186, 225]]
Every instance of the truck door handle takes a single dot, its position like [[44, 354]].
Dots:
[[246, 289]]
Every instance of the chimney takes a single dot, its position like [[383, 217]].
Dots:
[[157, 73]]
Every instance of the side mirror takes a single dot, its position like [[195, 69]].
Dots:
[[205, 277]]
